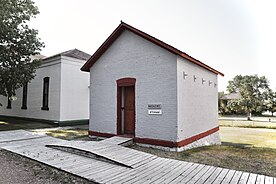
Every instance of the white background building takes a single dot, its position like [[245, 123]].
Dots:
[[58, 93], [147, 89]]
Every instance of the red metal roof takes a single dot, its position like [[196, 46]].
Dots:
[[123, 26]]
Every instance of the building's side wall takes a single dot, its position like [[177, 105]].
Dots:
[[74, 89], [34, 97], [197, 102], [155, 71]]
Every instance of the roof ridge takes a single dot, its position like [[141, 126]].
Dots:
[[75, 53], [117, 32]]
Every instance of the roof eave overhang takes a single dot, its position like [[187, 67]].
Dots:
[[118, 31]]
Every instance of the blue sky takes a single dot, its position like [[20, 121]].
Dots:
[[234, 37]]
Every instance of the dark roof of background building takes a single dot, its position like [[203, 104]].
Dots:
[[231, 96], [123, 26], [74, 53]]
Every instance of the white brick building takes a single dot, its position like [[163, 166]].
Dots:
[[58, 93], [145, 88]]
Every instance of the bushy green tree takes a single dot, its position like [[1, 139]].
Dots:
[[17, 43], [271, 102], [252, 89]]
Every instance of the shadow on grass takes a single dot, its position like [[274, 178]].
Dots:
[[25, 125]]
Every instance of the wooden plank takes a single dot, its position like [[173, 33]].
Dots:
[[143, 176], [143, 162], [14, 133], [268, 180], [260, 179], [132, 159], [92, 165], [86, 147], [119, 153], [112, 176], [221, 176], [162, 172], [185, 168], [187, 178], [68, 164], [203, 178], [129, 153], [99, 174], [214, 175], [244, 178], [63, 161], [116, 140], [110, 152], [29, 142], [131, 174], [102, 168], [138, 159], [10, 136], [77, 163], [50, 155], [235, 179], [107, 150], [199, 174], [229, 176], [92, 148], [252, 178], [182, 166], [182, 176], [105, 169], [84, 167], [43, 154], [37, 152]]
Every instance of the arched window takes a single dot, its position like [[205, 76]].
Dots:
[[45, 100]]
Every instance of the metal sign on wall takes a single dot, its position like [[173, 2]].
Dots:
[[155, 108]]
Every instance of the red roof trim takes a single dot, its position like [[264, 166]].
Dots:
[[123, 26]]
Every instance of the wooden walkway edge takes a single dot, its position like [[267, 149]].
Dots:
[[106, 162]]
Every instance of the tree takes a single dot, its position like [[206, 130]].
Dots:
[[271, 102], [221, 104], [17, 43], [252, 89]]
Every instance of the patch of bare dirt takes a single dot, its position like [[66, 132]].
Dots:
[[15, 169]]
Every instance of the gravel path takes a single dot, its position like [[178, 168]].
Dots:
[[15, 169]]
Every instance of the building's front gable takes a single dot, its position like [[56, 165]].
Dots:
[[154, 69]]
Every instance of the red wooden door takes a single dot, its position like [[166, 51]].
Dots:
[[129, 119]]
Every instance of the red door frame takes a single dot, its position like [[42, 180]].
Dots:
[[123, 82]]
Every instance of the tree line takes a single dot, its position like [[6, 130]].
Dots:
[[247, 95]]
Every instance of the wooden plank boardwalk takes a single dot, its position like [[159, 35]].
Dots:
[[106, 162], [118, 140]]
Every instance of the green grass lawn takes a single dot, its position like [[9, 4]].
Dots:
[[255, 137]]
